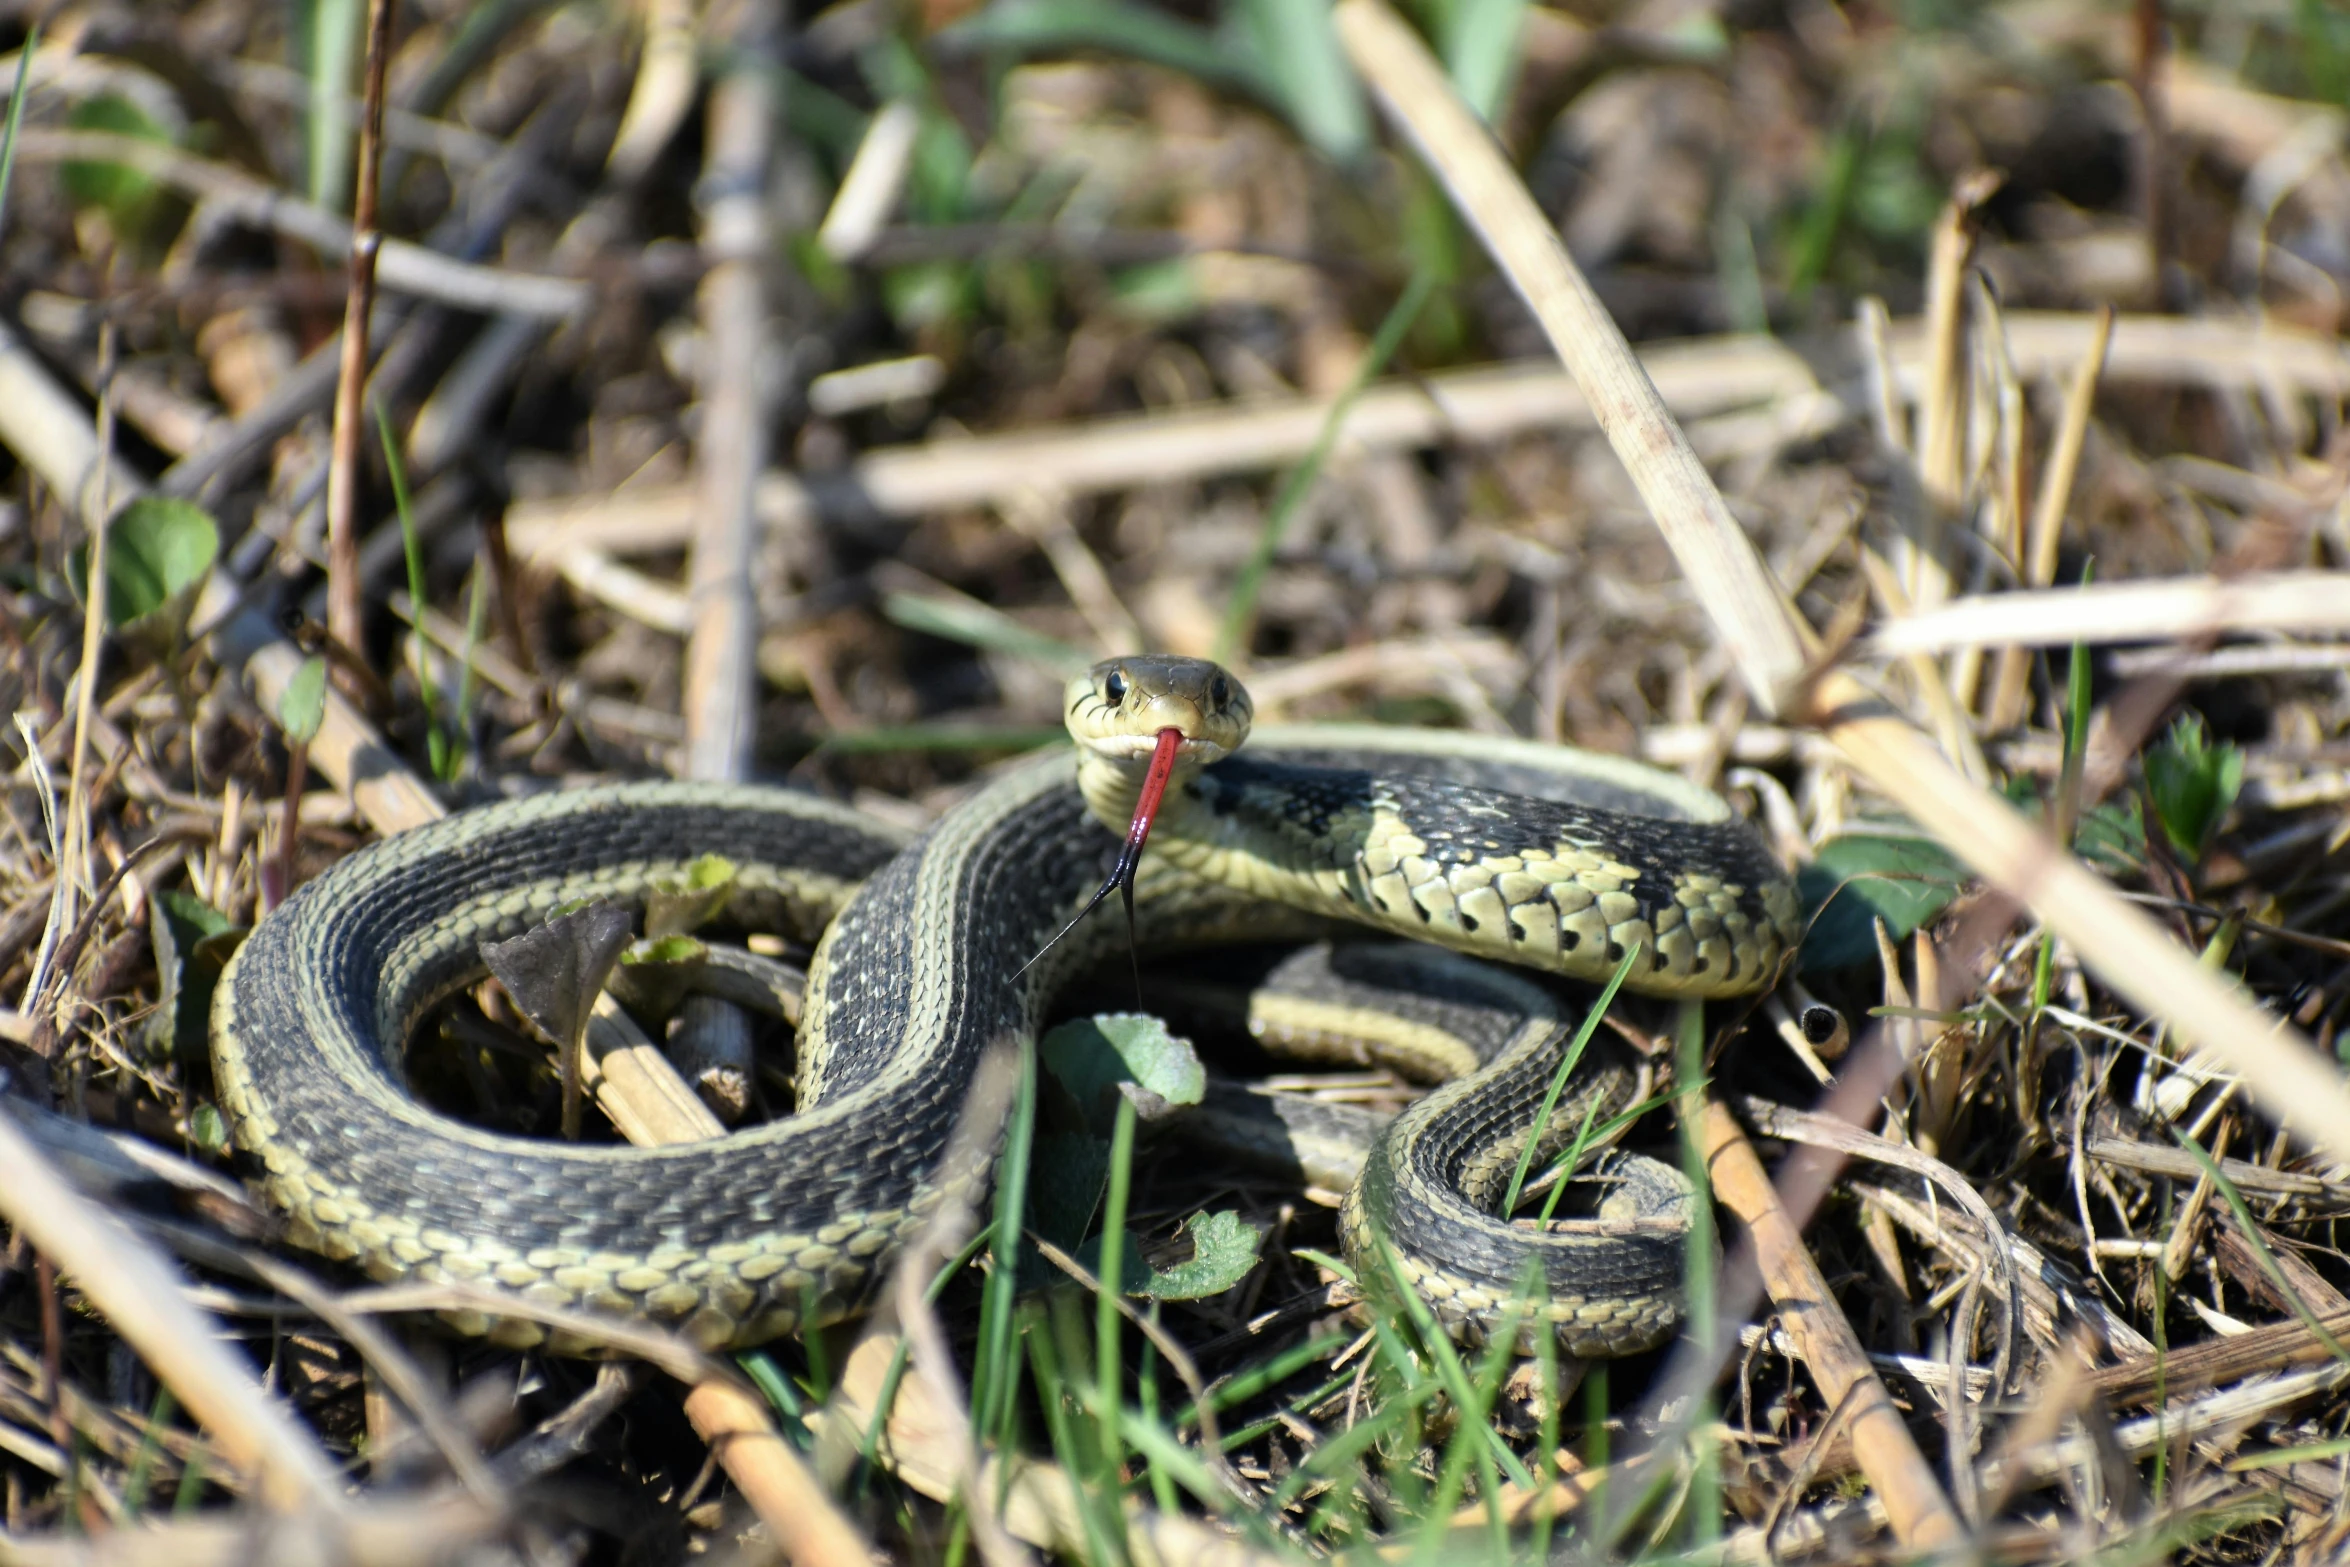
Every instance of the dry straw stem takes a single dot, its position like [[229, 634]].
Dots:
[[1090, 456], [1697, 379], [402, 267], [52, 435], [139, 1293], [1919, 1514], [2174, 609], [1943, 406], [2038, 565], [2127, 950], [721, 679], [1039, 1502], [869, 190], [403, 1534], [668, 74], [597, 576], [2284, 1073]]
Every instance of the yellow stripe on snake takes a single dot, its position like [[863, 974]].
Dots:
[[1533, 855]]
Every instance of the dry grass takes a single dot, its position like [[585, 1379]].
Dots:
[[2051, 1268]]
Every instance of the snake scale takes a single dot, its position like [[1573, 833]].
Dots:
[[1532, 854]]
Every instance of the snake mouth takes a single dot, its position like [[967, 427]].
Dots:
[[1189, 749]]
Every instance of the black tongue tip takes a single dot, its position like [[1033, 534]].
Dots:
[[1121, 878]]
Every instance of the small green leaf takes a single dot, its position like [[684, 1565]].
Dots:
[[1223, 1250], [1159, 292], [692, 901], [655, 975], [207, 1128], [193, 942], [302, 706], [192, 917], [925, 294], [119, 189], [1858, 878], [158, 552], [666, 949], [2192, 783], [1096, 1056]]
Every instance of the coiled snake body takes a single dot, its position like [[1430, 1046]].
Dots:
[[1506, 849]]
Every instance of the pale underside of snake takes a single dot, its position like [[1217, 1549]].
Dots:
[[1554, 859]]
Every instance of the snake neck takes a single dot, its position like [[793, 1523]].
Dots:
[[1111, 787]]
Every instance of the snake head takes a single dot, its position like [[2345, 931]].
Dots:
[[1117, 709]]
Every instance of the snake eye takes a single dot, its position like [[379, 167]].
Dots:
[[1220, 691], [1114, 688]]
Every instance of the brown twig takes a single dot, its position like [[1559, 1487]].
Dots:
[[1764, 638], [278, 887], [1920, 1514], [343, 619], [721, 694]]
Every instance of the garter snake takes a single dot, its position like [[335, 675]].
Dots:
[[1533, 854]]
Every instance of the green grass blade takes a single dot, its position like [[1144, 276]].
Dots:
[[1146, 1389], [996, 1371], [1057, 1394], [1108, 1360], [1298, 51], [412, 548], [2076, 734], [1342, 1451], [1705, 1511], [477, 609], [24, 81], [902, 1356], [1449, 1371], [1240, 616], [2260, 1250], [134, 1488], [1566, 1069], [978, 625], [1564, 1165], [1260, 1378], [1480, 41], [326, 35]]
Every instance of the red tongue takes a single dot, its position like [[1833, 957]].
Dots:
[[1146, 806]]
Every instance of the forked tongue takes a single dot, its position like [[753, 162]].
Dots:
[[1146, 807]]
